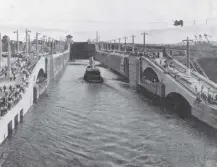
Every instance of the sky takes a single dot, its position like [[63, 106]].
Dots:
[[111, 18]]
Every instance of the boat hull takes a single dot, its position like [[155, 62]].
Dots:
[[94, 80], [93, 75]]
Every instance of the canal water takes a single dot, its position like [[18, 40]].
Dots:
[[92, 125]]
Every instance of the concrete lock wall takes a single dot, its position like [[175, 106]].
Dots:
[[59, 62], [116, 62], [202, 111], [15, 115]]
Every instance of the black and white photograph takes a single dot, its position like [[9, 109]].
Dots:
[[108, 83]]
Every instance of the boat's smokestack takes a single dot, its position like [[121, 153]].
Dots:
[[91, 62]]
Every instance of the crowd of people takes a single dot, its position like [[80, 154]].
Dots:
[[11, 94], [208, 98]]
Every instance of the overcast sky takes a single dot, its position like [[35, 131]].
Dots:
[[112, 18]]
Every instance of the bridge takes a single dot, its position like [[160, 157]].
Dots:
[[185, 90]]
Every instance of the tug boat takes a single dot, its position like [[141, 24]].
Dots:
[[92, 74]]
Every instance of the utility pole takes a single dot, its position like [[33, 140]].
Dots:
[[37, 42], [188, 56], [26, 48], [16, 32], [125, 43], [0, 51], [133, 36], [119, 45], [9, 58], [144, 45]]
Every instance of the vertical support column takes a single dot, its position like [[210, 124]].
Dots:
[[9, 58], [0, 51]]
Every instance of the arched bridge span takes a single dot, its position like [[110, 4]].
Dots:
[[150, 75]]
